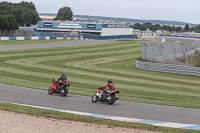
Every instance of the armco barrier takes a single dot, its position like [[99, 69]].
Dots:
[[33, 38], [27, 38], [12, 38], [147, 34], [179, 69], [52, 37], [151, 34], [124, 37], [180, 36], [42, 38]]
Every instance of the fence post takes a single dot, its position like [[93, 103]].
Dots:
[[162, 51], [186, 55], [151, 52], [145, 51]]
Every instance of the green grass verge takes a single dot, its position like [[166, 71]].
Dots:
[[90, 66], [72, 117], [26, 42]]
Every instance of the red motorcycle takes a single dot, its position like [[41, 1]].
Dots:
[[59, 88], [104, 95]]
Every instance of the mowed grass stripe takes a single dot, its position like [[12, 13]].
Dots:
[[74, 49], [154, 82], [90, 66], [127, 81], [161, 86], [142, 83]]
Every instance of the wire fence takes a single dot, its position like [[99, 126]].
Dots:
[[57, 34], [14, 33], [26, 33], [169, 52]]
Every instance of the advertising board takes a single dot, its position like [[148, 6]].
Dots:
[[48, 24], [91, 26]]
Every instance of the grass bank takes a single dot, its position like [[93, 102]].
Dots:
[[72, 117]]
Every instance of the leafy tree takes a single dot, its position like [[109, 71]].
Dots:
[[30, 17], [179, 29], [17, 12], [64, 13], [197, 28], [173, 28], [12, 25], [5, 8], [8, 22], [156, 27], [137, 26], [165, 27], [27, 5], [187, 28], [147, 25], [192, 29], [20, 11], [3, 22]]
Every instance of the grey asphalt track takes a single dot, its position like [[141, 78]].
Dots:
[[50, 45], [83, 104]]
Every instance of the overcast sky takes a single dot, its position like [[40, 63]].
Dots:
[[176, 10]]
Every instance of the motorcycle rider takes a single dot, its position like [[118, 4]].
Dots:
[[62, 78], [110, 85]]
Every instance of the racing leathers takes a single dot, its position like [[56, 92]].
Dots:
[[61, 79], [111, 86]]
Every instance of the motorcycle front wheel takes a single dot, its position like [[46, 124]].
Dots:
[[50, 91], [64, 91], [94, 99], [111, 100]]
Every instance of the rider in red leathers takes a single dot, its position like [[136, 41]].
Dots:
[[110, 84], [61, 79]]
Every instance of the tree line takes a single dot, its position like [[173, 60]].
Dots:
[[24, 13], [155, 27], [8, 22]]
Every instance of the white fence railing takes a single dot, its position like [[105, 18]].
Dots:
[[170, 68]]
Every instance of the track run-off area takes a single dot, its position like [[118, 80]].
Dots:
[[90, 66]]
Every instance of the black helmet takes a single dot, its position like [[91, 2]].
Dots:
[[109, 81], [63, 74]]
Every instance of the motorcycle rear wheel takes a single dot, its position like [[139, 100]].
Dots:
[[64, 91], [50, 91], [112, 100], [94, 99]]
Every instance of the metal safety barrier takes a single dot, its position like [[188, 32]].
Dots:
[[170, 68]]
